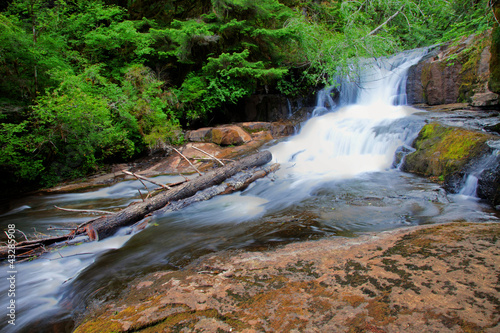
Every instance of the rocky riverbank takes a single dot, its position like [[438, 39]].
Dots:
[[224, 142], [442, 278]]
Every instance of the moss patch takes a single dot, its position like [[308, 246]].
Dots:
[[470, 59], [442, 151], [494, 82]]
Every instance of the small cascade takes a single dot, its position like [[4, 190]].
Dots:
[[325, 102], [290, 113], [370, 81], [481, 170], [358, 125], [470, 186]]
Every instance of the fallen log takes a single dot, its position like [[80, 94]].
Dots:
[[22, 248], [106, 226], [238, 182]]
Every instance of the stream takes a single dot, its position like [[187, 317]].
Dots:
[[338, 178]]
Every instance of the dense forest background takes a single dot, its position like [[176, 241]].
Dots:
[[88, 82]]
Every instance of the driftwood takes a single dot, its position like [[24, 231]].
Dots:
[[105, 226], [209, 155], [146, 179], [238, 182], [84, 210], [31, 247], [191, 164]]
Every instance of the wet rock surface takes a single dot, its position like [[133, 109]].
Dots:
[[442, 151], [458, 143], [442, 278], [456, 72], [459, 115]]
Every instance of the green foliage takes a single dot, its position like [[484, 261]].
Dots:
[[75, 130], [106, 80], [224, 79], [151, 107], [20, 158], [494, 81]]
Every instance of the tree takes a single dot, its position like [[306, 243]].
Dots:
[[104, 80]]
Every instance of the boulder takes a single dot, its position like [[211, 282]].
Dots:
[[230, 135], [494, 128], [281, 129], [262, 136], [488, 185], [440, 82], [443, 151], [414, 87], [485, 100], [449, 154], [199, 135], [235, 135], [255, 126], [454, 73], [208, 147]]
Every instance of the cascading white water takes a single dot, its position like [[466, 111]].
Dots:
[[489, 161], [359, 132]]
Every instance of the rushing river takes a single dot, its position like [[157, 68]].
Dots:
[[338, 177]]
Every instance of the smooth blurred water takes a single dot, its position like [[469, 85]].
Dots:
[[336, 179]]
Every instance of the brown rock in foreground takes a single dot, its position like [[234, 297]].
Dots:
[[442, 278]]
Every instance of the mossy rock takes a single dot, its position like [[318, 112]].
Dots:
[[443, 151], [494, 82]]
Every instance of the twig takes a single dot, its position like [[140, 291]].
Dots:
[[211, 159], [209, 155], [5, 232], [179, 183], [146, 179], [50, 228], [141, 195], [186, 178], [374, 31], [85, 210], [23, 234], [178, 152], [147, 189], [73, 255]]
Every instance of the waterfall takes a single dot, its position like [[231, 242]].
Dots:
[[357, 125], [470, 186], [481, 170]]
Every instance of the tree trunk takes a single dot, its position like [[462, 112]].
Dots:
[[106, 226]]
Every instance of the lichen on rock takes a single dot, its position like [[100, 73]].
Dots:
[[426, 279], [442, 151], [494, 81]]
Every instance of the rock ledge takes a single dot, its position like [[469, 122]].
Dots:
[[442, 278]]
